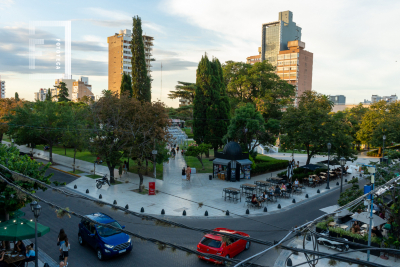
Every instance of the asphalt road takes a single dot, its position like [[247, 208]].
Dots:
[[146, 253]]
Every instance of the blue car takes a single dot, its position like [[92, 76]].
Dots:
[[106, 241]]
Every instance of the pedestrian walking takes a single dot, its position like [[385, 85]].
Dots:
[[61, 240], [120, 171], [64, 249], [188, 172], [125, 167], [183, 173]]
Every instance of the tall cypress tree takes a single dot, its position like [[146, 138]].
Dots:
[[126, 85], [200, 103], [141, 84], [16, 96], [63, 92], [48, 95]]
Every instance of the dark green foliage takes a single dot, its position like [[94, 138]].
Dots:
[[263, 167], [198, 151], [126, 85], [141, 84], [351, 194], [48, 95], [183, 90], [16, 96], [62, 93]]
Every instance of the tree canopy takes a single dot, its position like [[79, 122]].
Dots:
[[126, 85], [184, 90], [63, 93]]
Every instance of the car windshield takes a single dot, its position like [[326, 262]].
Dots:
[[105, 231], [211, 242]]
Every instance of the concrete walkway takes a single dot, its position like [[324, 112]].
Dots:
[[175, 195]]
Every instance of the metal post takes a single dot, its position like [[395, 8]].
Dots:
[[36, 245], [370, 218], [154, 157], [327, 185]]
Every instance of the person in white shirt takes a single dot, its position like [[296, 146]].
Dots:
[[64, 248]]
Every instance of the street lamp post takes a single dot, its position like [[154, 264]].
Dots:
[[342, 163], [371, 211], [383, 149], [36, 209], [329, 151]]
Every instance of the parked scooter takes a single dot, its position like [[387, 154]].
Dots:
[[102, 181], [332, 244]]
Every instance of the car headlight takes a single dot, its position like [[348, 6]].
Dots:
[[108, 246], [129, 241]]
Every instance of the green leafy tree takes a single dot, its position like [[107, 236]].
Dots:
[[184, 90], [198, 151], [126, 85], [258, 84], [310, 125], [77, 136], [16, 96], [48, 95], [247, 125], [350, 194], [381, 119], [62, 93], [141, 84], [7, 106], [40, 123], [12, 200]]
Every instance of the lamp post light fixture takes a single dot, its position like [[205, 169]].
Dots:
[[329, 151], [36, 209], [383, 149], [342, 163]]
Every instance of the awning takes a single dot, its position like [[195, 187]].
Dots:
[[245, 161], [221, 161]]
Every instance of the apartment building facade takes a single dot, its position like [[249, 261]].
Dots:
[[2, 88], [119, 57], [68, 84], [295, 65], [388, 99], [41, 95], [81, 88], [338, 99], [254, 59]]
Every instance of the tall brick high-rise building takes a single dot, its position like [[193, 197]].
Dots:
[[119, 57]]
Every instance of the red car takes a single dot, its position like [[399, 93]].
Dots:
[[228, 248]]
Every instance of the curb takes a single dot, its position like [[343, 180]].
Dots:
[[73, 174]]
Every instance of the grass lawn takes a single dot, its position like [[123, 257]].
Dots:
[[76, 172], [6, 138], [88, 156], [94, 176], [266, 158], [195, 163]]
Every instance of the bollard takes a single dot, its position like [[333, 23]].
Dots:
[[265, 209], [279, 206], [345, 180], [294, 200], [87, 191], [318, 191], [247, 211], [337, 183], [206, 213], [210, 177], [162, 212], [184, 213], [127, 207], [306, 195], [227, 213], [75, 187], [115, 202], [100, 196], [142, 209]]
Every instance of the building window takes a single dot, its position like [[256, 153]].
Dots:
[[281, 57], [287, 56], [286, 68], [280, 63], [280, 68], [287, 62], [293, 68], [294, 55]]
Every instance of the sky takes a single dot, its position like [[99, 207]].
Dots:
[[353, 42]]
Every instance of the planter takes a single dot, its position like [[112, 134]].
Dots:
[[333, 234], [318, 229]]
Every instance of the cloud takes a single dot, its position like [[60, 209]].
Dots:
[[173, 64], [160, 52], [4, 4]]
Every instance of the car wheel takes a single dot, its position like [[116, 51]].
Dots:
[[99, 254], [80, 240], [226, 257], [247, 245]]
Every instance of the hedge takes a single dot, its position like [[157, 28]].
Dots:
[[374, 153], [269, 166]]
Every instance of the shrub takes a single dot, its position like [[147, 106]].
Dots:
[[263, 167]]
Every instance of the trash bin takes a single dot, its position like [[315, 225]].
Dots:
[[210, 177]]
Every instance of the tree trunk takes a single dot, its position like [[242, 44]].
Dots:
[[215, 151], [380, 151], [147, 167], [1, 138], [207, 154], [51, 153], [74, 159], [111, 169], [140, 175], [199, 158], [65, 149], [308, 155]]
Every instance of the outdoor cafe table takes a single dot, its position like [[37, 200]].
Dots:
[[14, 260], [232, 193], [262, 184], [248, 188], [275, 179]]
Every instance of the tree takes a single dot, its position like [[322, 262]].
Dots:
[[126, 85], [40, 123], [381, 119], [7, 105], [62, 93], [12, 200], [141, 84], [77, 135], [248, 125], [183, 90], [16, 96], [48, 95], [257, 84], [311, 126], [198, 151]]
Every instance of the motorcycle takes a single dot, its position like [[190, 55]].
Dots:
[[102, 181], [332, 244]]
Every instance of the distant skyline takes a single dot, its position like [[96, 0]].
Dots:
[[353, 42]]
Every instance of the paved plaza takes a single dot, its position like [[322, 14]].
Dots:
[[175, 195]]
